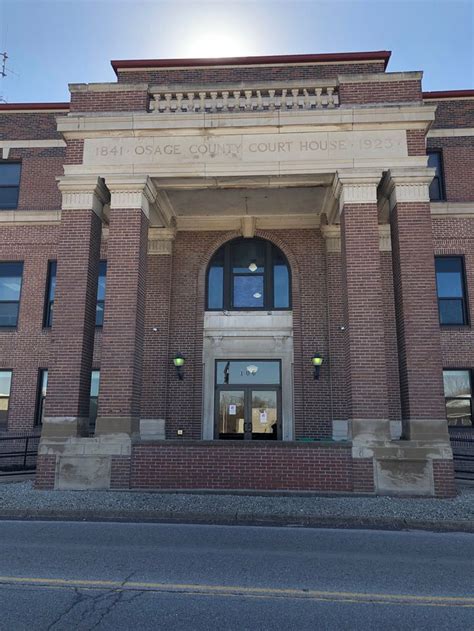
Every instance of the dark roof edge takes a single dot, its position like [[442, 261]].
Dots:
[[34, 106], [383, 55], [449, 94]]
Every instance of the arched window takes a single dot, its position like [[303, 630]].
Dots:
[[248, 274]]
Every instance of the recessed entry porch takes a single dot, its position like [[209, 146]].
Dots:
[[214, 203]]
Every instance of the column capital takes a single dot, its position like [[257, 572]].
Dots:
[[356, 186], [332, 237], [81, 192], [160, 240], [407, 185], [131, 192]]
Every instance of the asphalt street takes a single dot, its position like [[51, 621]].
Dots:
[[70, 575]]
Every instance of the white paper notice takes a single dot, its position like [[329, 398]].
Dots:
[[263, 416], [232, 410]]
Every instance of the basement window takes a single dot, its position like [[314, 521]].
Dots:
[[5, 385], [458, 397]]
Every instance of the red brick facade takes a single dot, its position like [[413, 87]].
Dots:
[[370, 312]]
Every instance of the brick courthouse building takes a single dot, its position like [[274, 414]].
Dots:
[[179, 250]]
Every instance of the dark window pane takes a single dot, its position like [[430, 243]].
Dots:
[[248, 256], [101, 283], [10, 288], [99, 313], [459, 412], [50, 291], [101, 280], [451, 311], [281, 286], [9, 313], [43, 386], [10, 281], [436, 186], [10, 174], [95, 380], [248, 292], [52, 280], [449, 277], [248, 372], [8, 197], [215, 288], [457, 383], [435, 190], [434, 161]]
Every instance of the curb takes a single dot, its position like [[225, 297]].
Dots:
[[364, 523]]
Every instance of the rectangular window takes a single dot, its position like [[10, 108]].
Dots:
[[99, 314], [437, 185], [50, 291], [42, 387], [5, 386], [94, 394], [10, 287], [9, 184], [252, 371], [450, 286], [458, 396]]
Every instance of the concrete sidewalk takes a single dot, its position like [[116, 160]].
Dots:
[[20, 501]]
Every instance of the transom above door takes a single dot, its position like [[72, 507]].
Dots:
[[248, 400]]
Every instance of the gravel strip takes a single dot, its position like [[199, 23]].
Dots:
[[20, 498]]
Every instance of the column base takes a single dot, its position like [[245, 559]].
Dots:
[[63, 426], [112, 425], [152, 429], [426, 429], [369, 431], [73, 463]]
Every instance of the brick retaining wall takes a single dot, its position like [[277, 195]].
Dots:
[[232, 465]]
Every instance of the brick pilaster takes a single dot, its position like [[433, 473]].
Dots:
[[123, 331], [67, 405], [418, 331]]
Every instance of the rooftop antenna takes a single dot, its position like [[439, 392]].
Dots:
[[3, 71]]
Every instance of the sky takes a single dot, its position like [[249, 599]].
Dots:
[[51, 43]]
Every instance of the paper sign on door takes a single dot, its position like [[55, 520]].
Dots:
[[263, 416], [232, 410]]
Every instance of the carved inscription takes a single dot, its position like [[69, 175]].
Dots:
[[245, 148]]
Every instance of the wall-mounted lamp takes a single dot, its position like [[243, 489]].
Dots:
[[178, 361], [317, 362]]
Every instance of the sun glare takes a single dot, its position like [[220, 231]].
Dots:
[[216, 43]]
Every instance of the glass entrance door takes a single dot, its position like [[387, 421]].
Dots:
[[250, 410], [250, 414]]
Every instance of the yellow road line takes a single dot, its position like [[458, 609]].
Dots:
[[237, 590]]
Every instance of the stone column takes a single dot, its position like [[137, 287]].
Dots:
[[418, 330], [366, 374], [123, 331], [69, 372]]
